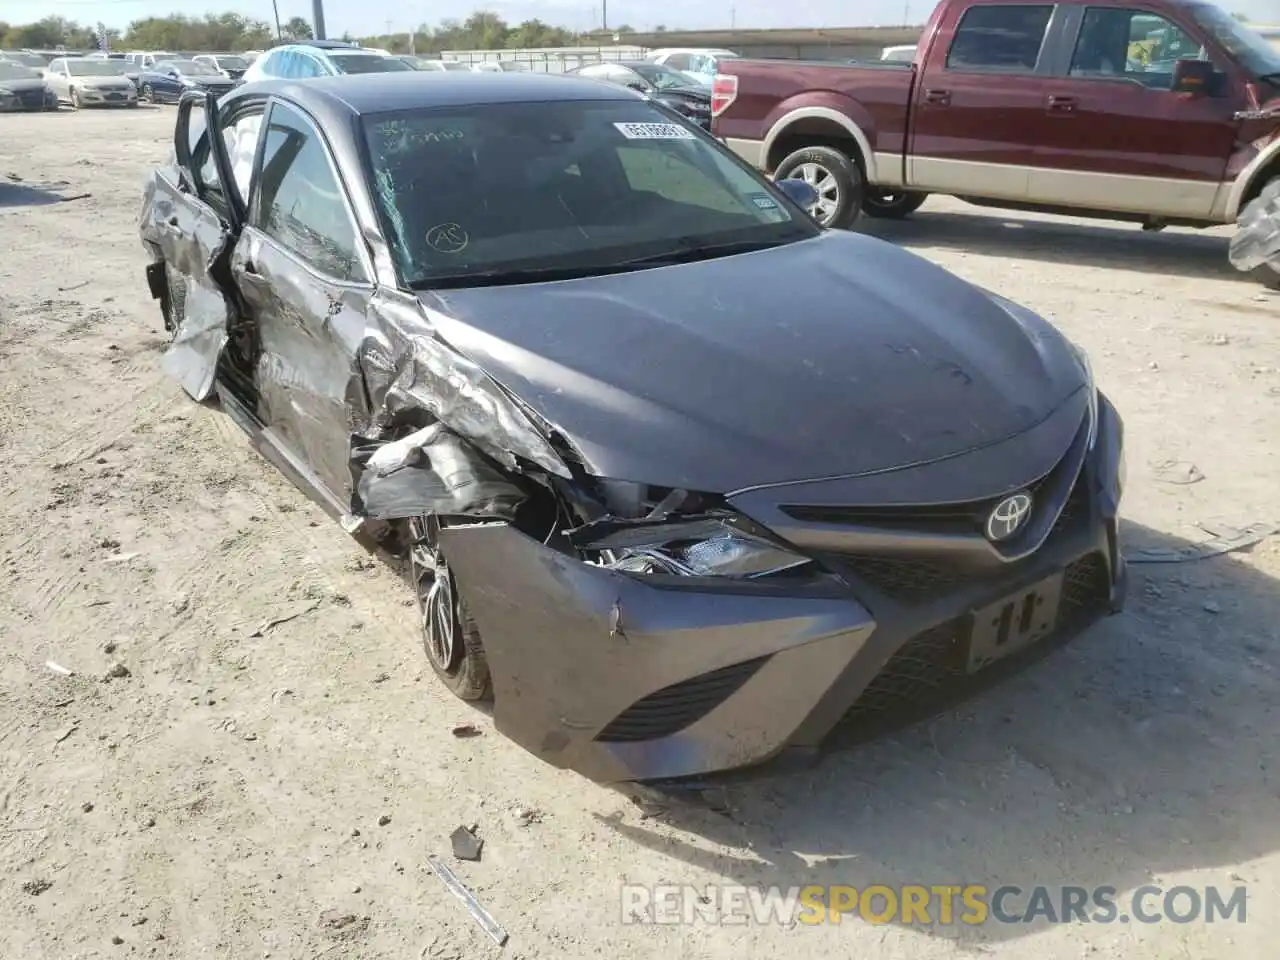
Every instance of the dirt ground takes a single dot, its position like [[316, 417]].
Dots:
[[253, 790]]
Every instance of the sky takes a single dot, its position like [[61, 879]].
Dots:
[[367, 17]]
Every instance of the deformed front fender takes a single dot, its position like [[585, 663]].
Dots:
[[571, 646]]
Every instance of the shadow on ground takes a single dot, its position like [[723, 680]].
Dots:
[[1105, 244], [1142, 748], [29, 195]]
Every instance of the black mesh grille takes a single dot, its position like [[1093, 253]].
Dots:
[[930, 668], [673, 708]]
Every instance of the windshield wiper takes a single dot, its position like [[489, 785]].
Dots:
[[690, 252], [493, 278]]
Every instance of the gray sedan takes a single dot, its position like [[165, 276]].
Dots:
[[22, 88]]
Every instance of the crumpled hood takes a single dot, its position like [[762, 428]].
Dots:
[[835, 356]]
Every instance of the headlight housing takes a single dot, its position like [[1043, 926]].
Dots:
[[702, 547]]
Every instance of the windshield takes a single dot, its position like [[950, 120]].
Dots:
[[1253, 52], [193, 68], [364, 63], [233, 63], [580, 186], [16, 71], [662, 77], [95, 68]]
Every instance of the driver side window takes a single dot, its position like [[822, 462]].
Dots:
[[240, 135], [300, 203], [1133, 45]]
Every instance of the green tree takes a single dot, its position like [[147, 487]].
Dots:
[[296, 28]]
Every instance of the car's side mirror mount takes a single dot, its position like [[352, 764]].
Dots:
[[800, 192], [1193, 76], [638, 85]]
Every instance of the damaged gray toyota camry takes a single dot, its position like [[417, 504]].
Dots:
[[686, 483]]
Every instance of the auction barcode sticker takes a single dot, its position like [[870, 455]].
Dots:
[[654, 131]]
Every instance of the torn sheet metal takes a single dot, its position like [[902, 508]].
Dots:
[[1225, 540], [432, 470], [1257, 238], [190, 240], [407, 367]]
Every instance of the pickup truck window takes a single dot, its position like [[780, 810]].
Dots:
[[1000, 37], [1132, 44]]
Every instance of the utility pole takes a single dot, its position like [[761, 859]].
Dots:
[[604, 15], [733, 18], [275, 8], [388, 23], [317, 19]]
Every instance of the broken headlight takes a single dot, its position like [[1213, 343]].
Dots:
[[703, 548]]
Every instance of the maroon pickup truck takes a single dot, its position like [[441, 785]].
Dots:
[[1164, 112]]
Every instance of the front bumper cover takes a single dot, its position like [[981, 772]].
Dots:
[[625, 680]]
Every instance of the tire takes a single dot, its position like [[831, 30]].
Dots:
[[75, 99], [837, 179], [460, 660], [891, 204], [147, 94]]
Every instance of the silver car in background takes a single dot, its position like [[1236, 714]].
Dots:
[[82, 82]]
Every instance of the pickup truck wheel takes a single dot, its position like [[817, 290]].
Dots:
[[892, 204], [835, 177]]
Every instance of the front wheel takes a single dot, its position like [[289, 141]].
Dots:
[[75, 99], [892, 204], [834, 177], [147, 94], [449, 634]]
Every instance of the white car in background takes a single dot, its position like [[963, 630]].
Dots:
[[320, 58], [698, 62]]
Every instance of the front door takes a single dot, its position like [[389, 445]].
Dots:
[[305, 276], [1116, 137], [979, 99], [192, 213]]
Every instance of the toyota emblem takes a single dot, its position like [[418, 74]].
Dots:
[[1008, 516]]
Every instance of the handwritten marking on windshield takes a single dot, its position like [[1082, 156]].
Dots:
[[447, 238]]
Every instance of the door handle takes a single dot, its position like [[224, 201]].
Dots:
[[1062, 104], [940, 97]]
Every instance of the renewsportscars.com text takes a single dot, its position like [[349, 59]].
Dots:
[[928, 905]]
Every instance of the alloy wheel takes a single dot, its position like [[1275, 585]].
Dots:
[[437, 603], [146, 93], [826, 187]]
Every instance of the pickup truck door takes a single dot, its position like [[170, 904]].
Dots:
[[979, 99], [1115, 137]]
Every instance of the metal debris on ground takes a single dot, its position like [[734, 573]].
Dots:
[[478, 913], [1224, 540], [57, 668], [1181, 472], [272, 624], [66, 733], [466, 845]]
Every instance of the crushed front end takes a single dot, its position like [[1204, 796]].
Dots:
[[682, 645]]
